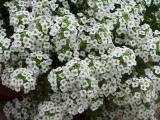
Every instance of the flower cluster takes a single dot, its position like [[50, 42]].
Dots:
[[92, 55], [39, 62], [49, 110], [18, 79], [4, 46], [20, 110], [128, 112]]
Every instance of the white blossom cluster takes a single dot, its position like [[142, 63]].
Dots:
[[19, 79], [39, 62], [107, 50], [4, 46], [64, 106], [20, 110], [128, 112]]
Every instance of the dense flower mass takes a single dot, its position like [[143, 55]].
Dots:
[[18, 79], [20, 110], [69, 57]]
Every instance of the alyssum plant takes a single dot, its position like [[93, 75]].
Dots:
[[74, 56]]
